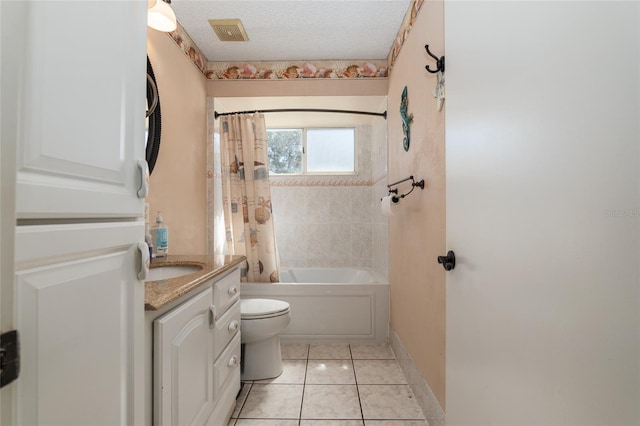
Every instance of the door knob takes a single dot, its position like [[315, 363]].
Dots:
[[448, 261]]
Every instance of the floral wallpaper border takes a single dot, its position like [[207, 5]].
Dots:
[[284, 70], [403, 32], [287, 70], [189, 48]]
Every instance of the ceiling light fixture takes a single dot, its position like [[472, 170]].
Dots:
[[160, 16]]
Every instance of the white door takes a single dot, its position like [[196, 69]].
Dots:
[[3, 223], [183, 363], [543, 213], [8, 96], [80, 315], [72, 116], [82, 86]]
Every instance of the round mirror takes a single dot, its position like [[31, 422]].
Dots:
[[152, 142]]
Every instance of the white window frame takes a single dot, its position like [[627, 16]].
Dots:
[[304, 152]]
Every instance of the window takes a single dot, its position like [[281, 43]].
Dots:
[[311, 151], [284, 148]]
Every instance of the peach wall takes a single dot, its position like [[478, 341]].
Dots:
[[178, 182], [417, 231], [299, 87]]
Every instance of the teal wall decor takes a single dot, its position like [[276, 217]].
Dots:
[[406, 119]]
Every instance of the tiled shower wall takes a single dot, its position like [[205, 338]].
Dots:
[[380, 223], [334, 221]]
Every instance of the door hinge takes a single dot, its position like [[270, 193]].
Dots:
[[9, 357]]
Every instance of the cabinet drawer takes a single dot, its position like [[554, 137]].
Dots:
[[225, 328], [226, 291], [224, 367]]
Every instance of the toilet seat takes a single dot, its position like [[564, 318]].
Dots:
[[262, 308]]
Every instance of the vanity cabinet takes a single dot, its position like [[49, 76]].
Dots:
[[197, 356]]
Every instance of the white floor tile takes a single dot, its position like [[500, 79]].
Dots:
[[266, 422], [331, 402], [272, 401], [378, 372], [330, 372], [294, 351], [371, 352], [322, 386], [389, 402], [293, 371], [329, 352]]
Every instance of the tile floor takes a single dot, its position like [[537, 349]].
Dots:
[[331, 385]]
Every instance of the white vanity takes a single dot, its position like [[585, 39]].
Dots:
[[193, 339]]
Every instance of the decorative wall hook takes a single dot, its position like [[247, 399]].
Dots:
[[406, 119], [439, 61], [396, 197]]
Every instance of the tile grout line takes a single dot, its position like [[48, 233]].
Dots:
[[245, 400], [355, 378], [304, 384]]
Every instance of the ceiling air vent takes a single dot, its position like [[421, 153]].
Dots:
[[229, 29]]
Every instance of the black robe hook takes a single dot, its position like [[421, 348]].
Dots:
[[439, 61]]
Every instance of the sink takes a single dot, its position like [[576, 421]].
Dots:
[[171, 271]]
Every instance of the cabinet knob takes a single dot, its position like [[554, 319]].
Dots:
[[233, 326], [232, 291], [233, 361]]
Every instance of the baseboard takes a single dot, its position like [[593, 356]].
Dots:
[[426, 399]]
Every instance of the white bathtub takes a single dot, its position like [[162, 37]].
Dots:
[[338, 305]]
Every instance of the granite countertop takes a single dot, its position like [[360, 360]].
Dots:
[[159, 293]]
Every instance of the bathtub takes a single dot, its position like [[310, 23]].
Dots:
[[339, 305]]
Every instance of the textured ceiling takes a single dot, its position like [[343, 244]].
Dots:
[[295, 29]]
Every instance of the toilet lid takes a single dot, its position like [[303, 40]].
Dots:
[[260, 308]]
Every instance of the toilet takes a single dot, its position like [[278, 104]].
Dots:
[[262, 320]]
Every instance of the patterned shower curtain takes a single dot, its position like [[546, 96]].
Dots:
[[246, 195]]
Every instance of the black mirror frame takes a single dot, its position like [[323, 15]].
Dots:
[[155, 120]]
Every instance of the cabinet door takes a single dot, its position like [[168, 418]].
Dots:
[[81, 108], [80, 317], [183, 363]]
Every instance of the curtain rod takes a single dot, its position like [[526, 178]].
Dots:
[[217, 114]]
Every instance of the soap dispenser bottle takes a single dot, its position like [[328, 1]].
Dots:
[[162, 237]]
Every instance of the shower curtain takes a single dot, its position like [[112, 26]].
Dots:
[[246, 195]]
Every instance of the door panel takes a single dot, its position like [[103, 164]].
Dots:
[[542, 212], [81, 97], [183, 370], [79, 318]]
